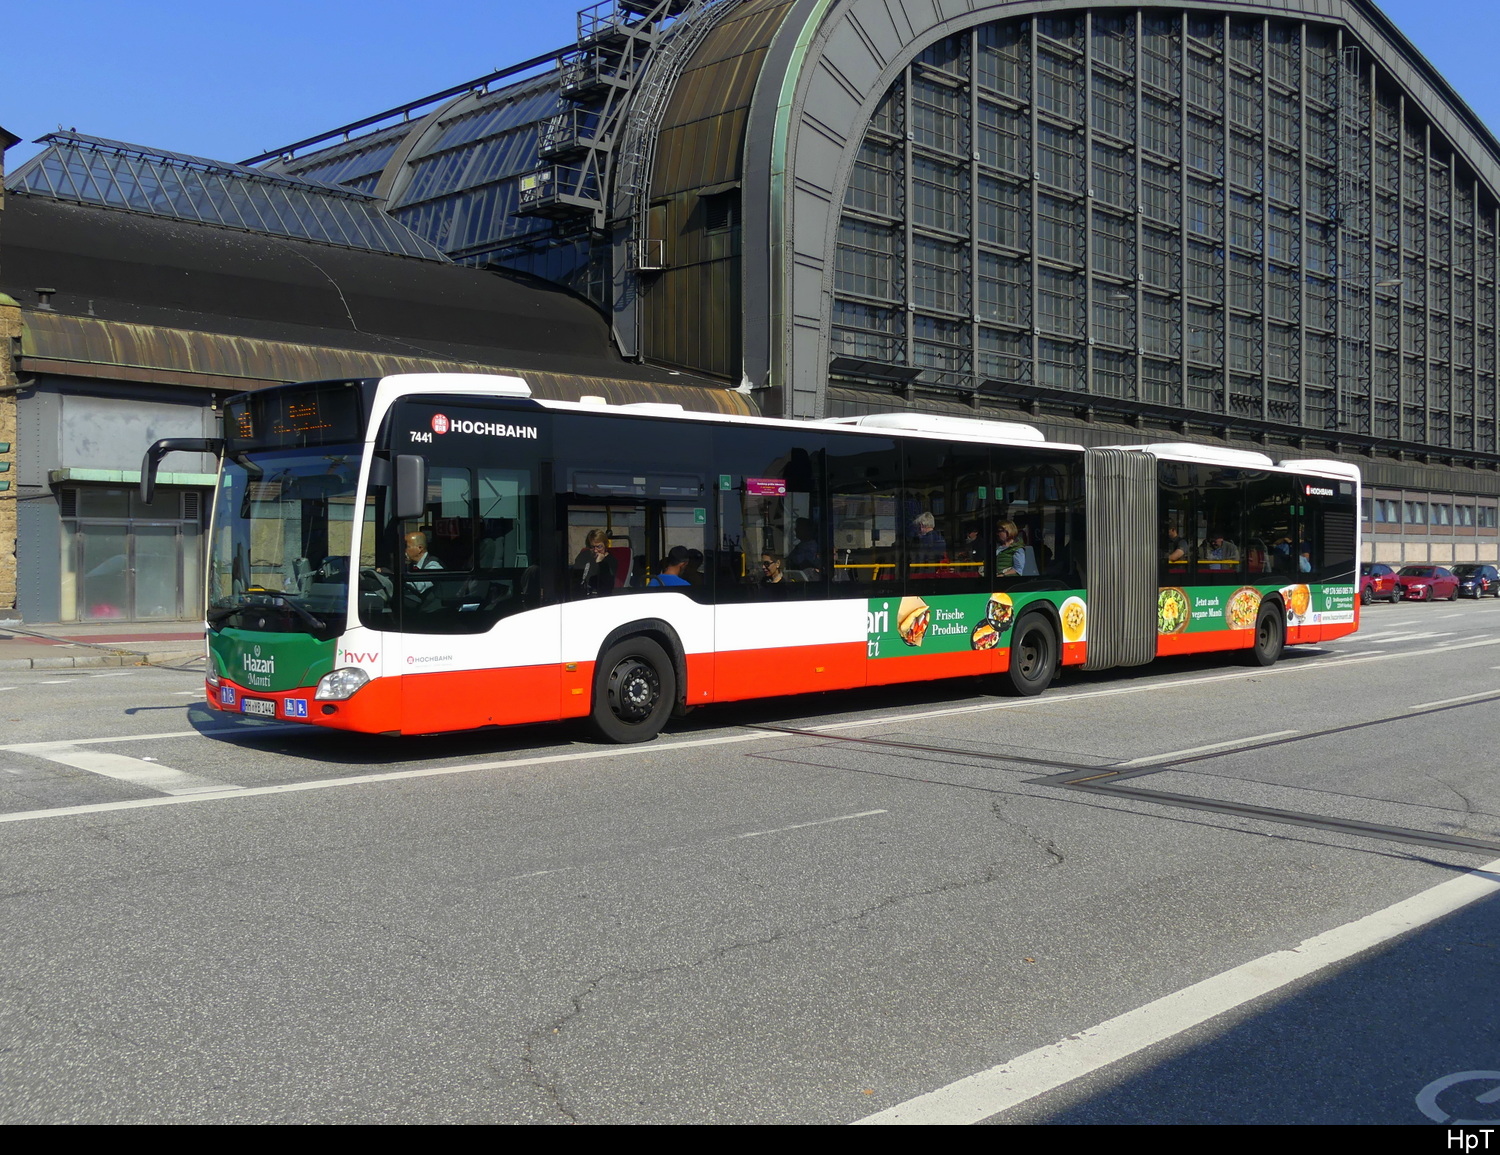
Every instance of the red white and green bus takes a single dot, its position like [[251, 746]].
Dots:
[[439, 552]]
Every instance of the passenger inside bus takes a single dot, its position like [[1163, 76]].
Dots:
[[927, 546], [1011, 555], [594, 567], [771, 569], [1177, 548], [420, 596], [804, 556], [669, 569], [1219, 552]]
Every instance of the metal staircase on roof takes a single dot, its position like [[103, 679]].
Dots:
[[616, 40]]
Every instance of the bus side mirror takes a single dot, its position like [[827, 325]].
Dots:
[[411, 486], [160, 449]]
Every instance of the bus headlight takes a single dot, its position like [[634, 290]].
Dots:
[[340, 684]]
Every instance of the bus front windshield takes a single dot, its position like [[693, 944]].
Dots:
[[281, 556]]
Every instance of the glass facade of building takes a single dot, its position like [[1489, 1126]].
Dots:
[[1213, 213]]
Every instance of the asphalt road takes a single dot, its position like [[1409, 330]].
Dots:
[[812, 910]]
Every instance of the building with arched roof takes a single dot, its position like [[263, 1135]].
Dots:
[[1270, 223]]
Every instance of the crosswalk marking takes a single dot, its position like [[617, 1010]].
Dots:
[[137, 771]]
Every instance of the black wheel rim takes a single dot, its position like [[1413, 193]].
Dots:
[[1033, 655], [634, 690]]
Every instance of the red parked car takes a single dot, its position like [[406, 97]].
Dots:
[[1427, 583], [1377, 583]]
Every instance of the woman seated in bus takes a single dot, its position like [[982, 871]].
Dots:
[[1012, 558], [595, 565], [771, 569]]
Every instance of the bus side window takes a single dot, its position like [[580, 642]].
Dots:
[[1270, 542], [864, 484], [1178, 523], [768, 505]]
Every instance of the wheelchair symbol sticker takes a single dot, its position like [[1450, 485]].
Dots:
[[1486, 1094]]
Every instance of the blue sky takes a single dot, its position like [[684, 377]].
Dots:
[[231, 80]]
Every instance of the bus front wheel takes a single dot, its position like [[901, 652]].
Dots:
[[635, 687], [1033, 657]]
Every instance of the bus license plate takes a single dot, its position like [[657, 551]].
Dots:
[[258, 706]]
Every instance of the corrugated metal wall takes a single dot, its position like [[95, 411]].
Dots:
[[692, 309]]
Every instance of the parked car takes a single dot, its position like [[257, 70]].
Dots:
[[1474, 581], [1377, 583], [1426, 583]]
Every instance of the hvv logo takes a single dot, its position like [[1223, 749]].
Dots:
[[359, 657]]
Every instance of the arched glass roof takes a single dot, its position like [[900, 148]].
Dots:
[[93, 170]]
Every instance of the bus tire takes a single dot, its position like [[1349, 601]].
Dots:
[[1270, 636], [635, 688], [1034, 657]]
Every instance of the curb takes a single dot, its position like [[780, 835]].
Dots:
[[95, 660]]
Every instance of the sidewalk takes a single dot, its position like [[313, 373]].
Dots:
[[66, 645]]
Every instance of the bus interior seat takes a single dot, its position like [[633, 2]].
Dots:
[[623, 558]]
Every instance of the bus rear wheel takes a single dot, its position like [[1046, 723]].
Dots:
[[1034, 657], [635, 687], [1270, 637]]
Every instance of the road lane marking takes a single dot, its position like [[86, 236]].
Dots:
[[1455, 701], [1000, 1088], [252, 728], [817, 822], [1230, 744], [137, 771], [691, 845]]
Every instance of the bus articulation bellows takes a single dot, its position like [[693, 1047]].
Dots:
[[438, 552]]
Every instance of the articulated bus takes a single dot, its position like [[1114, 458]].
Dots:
[[436, 552]]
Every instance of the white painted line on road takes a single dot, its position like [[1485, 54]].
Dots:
[[115, 674], [252, 728], [137, 771], [818, 822], [1229, 745], [988, 1093], [1455, 701], [1385, 639], [702, 842], [55, 682]]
